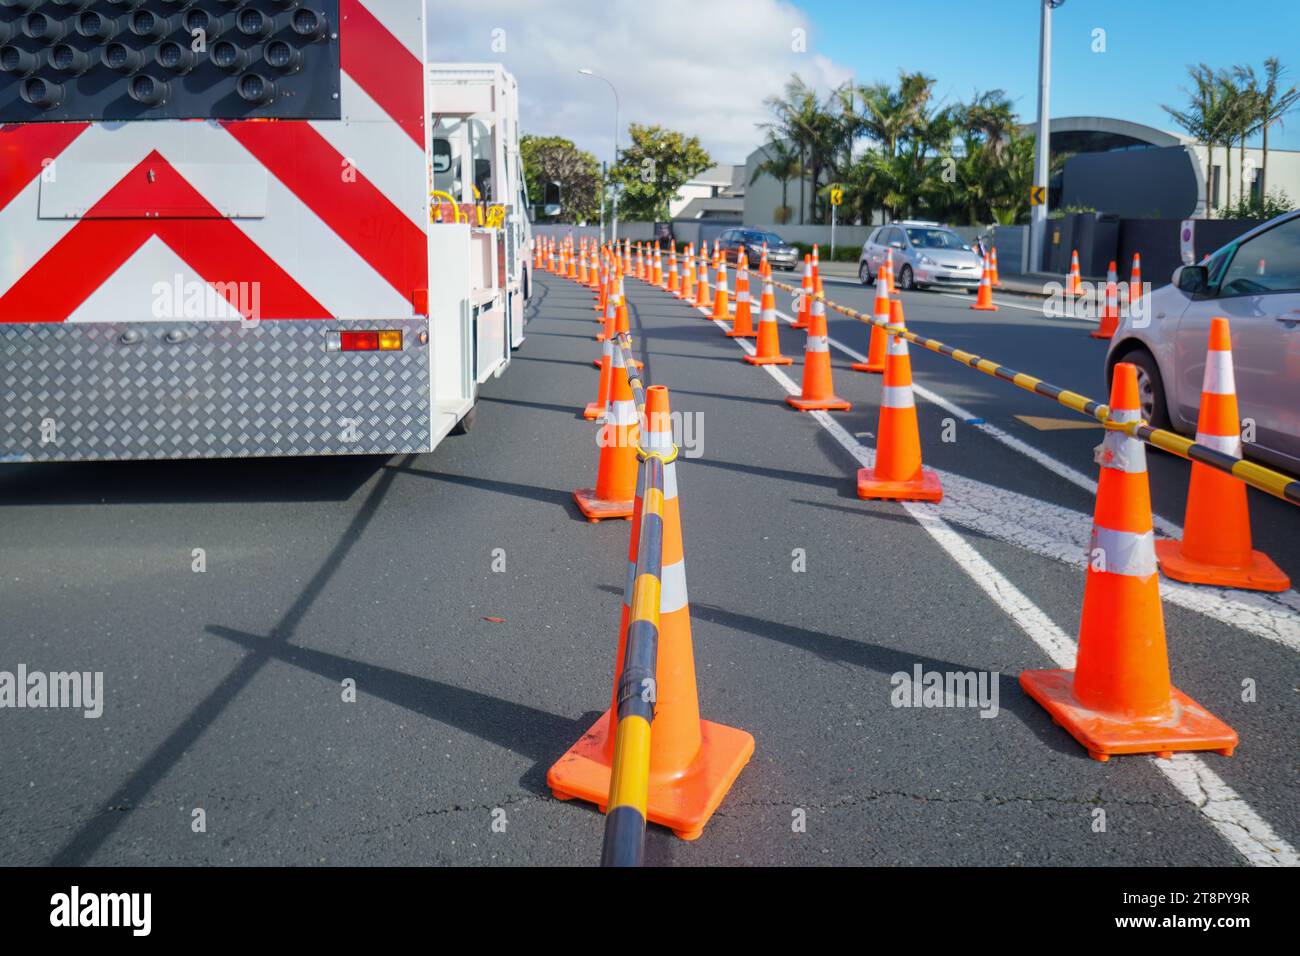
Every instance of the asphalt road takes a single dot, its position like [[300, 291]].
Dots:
[[224, 688]]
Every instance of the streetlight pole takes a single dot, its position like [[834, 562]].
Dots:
[[613, 226], [1042, 157]]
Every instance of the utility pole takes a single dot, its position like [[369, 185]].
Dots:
[[1042, 157]]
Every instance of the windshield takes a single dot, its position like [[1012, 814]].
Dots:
[[935, 239]]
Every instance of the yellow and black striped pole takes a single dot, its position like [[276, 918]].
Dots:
[[630, 774], [629, 780], [1257, 476]]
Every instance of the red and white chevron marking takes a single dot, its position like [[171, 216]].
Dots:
[[329, 218]]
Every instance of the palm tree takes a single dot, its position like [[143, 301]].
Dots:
[[1207, 115], [1272, 103], [781, 162]]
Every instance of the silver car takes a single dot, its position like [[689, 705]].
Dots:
[[1253, 281], [925, 254]]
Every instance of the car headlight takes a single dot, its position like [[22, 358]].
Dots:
[[926, 261]]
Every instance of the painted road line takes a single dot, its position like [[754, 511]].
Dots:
[[1234, 819], [1061, 533]]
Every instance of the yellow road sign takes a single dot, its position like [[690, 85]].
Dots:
[[837, 196], [1037, 195]]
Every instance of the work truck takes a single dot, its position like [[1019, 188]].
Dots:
[[256, 228]]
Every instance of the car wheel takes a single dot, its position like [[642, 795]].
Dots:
[[466, 424], [1151, 387], [864, 273], [905, 278]]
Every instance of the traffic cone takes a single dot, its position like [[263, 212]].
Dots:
[[743, 323], [658, 277], [583, 277], [879, 337], [889, 272], [804, 317], [602, 297], [606, 362], [1109, 310], [1074, 283], [693, 762], [573, 265], [993, 267], [769, 339], [984, 301], [817, 392], [721, 295], [1135, 281], [1216, 544], [616, 461], [898, 473], [627, 256], [702, 298], [687, 291], [1118, 699], [597, 264], [674, 280]]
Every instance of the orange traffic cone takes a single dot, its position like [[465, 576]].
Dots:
[[702, 299], [616, 462], [804, 315], [658, 276], [889, 272], [1109, 310], [1216, 545], [879, 337], [721, 295], [1118, 699], [817, 392], [687, 291], [769, 339], [693, 762], [993, 267], [1135, 281], [984, 301], [743, 325], [606, 362], [1074, 283], [674, 280], [627, 257], [898, 473]]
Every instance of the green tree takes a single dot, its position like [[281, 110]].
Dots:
[[553, 159], [1272, 103], [781, 162], [1207, 116], [654, 168]]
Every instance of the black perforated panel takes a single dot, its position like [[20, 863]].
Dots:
[[64, 60]]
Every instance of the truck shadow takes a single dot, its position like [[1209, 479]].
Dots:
[[334, 478]]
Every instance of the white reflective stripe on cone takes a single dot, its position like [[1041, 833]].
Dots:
[[1123, 552], [1228, 444], [897, 396], [622, 413], [1120, 451], [617, 356], [1219, 379], [672, 587], [897, 345], [818, 343]]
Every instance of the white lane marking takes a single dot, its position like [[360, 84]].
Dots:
[[1061, 533], [1234, 819]]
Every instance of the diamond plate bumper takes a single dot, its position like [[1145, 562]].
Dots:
[[154, 390]]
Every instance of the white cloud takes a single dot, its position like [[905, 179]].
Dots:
[[703, 67]]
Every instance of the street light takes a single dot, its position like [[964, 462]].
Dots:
[[1042, 152], [613, 228]]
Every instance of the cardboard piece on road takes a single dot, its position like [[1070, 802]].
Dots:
[[1055, 424]]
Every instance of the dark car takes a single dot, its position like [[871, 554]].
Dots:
[[780, 254]]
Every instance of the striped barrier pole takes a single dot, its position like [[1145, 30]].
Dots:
[[629, 779], [1257, 476]]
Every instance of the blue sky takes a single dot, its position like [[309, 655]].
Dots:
[[988, 44]]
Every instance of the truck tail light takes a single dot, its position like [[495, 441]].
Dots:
[[373, 341]]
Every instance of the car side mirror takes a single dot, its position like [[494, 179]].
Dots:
[[1192, 280]]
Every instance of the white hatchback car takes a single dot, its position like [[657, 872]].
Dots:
[[1254, 281]]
